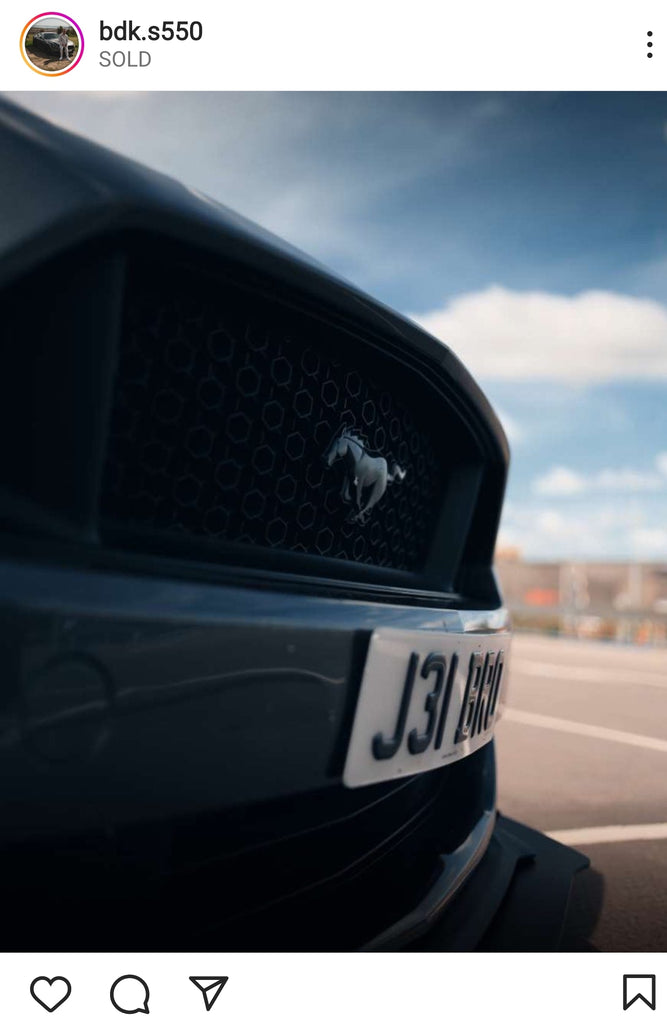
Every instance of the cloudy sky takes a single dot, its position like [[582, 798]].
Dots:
[[528, 231]]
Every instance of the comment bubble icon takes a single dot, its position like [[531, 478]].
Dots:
[[130, 994]]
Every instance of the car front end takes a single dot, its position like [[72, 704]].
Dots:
[[252, 642]]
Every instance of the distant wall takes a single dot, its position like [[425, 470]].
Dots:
[[610, 600]]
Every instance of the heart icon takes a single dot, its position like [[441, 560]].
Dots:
[[50, 992]]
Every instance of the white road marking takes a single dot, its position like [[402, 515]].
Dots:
[[597, 732], [575, 673], [609, 834]]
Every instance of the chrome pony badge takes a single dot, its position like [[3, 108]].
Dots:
[[366, 476]]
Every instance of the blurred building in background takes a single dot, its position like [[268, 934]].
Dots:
[[624, 601]]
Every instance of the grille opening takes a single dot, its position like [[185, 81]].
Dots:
[[60, 324], [176, 421], [225, 401]]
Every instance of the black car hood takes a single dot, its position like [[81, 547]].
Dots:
[[58, 190]]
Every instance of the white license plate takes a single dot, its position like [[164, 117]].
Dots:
[[426, 699]]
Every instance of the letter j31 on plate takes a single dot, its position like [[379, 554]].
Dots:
[[427, 698]]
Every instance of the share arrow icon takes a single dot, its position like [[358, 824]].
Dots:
[[210, 988]]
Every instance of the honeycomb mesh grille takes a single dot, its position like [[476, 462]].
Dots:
[[224, 405]]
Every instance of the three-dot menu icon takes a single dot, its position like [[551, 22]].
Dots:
[[649, 44]]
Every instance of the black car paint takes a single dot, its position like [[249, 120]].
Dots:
[[166, 722]]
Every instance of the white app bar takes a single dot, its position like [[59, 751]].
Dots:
[[352, 45], [320, 988]]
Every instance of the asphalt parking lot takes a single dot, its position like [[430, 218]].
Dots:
[[582, 755]]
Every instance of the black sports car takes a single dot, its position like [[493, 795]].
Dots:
[[252, 645], [47, 42]]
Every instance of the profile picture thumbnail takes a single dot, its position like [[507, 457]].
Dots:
[[52, 44]]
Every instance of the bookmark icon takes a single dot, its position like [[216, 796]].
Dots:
[[639, 988]]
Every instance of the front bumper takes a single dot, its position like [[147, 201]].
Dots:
[[171, 753]]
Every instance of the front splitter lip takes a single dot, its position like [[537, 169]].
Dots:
[[456, 869], [511, 894]]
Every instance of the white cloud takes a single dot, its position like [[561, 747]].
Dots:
[[590, 337], [630, 480], [649, 542], [596, 530], [560, 482], [563, 482]]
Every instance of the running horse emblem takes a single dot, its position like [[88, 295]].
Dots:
[[367, 475]]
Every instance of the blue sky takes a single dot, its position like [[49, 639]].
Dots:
[[528, 231]]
